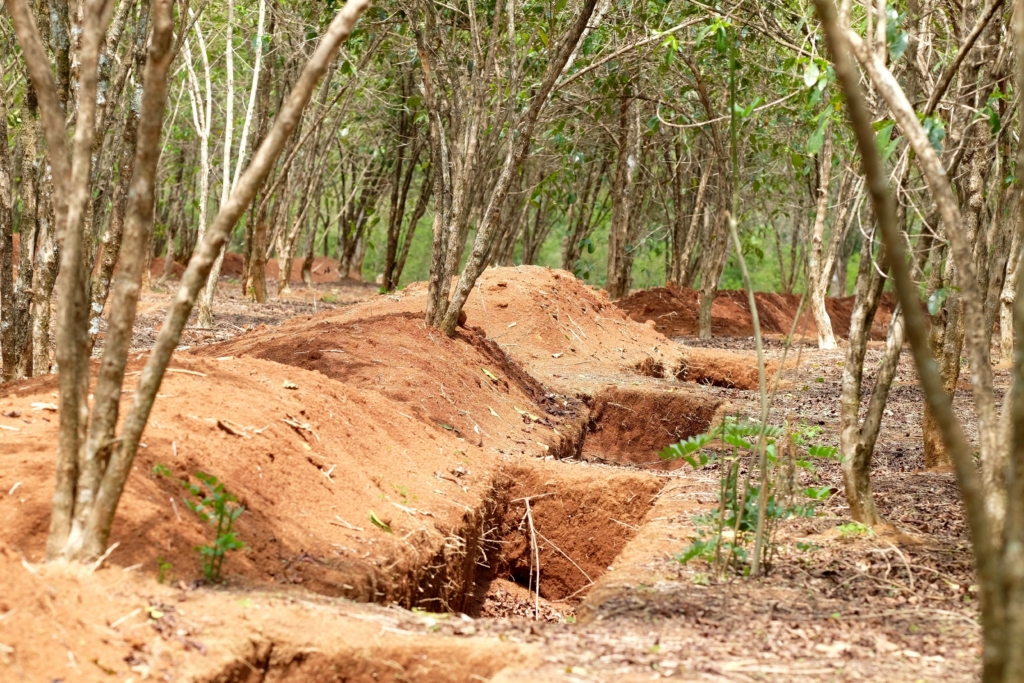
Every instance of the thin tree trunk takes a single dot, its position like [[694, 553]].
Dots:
[[123, 455], [517, 151], [28, 229], [686, 261], [110, 247], [817, 283], [205, 317], [414, 220], [45, 274], [8, 308], [1006, 296], [620, 260]]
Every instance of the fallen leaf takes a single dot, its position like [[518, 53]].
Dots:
[[379, 524], [44, 406]]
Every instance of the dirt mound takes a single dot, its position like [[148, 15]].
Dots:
[[307, 463], [723, 369], [116, 624], [326, 420], [674, 312]]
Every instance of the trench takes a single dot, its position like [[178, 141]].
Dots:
[[585, 506]]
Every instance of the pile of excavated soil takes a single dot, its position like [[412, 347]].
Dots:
[[416, 440], [569, 335], [379, 460], [116, 624], [675, 313]]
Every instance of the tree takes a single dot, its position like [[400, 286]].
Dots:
[[997, 537], [93, 465]]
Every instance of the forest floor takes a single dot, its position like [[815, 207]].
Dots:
[[395, 483]]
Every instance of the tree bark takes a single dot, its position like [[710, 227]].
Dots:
[[8, 321], [122, 458], [620, 258], [817, 276]]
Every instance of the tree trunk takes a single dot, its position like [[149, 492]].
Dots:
[[110, 247], [1006, 297], [713, 261], [28, 229], [7, 303], [687, 262], [46, 262], [817, 279], [620, 257], [410, 230]]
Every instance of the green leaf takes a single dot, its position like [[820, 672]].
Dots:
[[811, 74], [883, 139], [822, 451], [737, 441], [994, 123], [898, 45], [818, 492], [935, 131], [384, 526], [936, 300], [817, 139], [720, 44]]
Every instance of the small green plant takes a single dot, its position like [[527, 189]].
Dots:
[[163, 570], [213, 503], [854, 529], [329, 298], [724, 534], [403, 492]]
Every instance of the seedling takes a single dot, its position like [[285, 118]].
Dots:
[[163, 570], [854, 529], [724, 533], [214, 504], [403, 492]]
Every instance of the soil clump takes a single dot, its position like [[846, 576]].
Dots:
[[675, 312]]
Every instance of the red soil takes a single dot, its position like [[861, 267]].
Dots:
[[320, 422], [675, 312]]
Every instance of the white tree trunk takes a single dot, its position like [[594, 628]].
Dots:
[[818, 280]]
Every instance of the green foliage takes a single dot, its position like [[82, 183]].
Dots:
[[895, 38], [724, 534], [163, 570], [213, 504], [854, 529], [936, 132], [380, 524]]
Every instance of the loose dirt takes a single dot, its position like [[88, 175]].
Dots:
[[675, 312], [550, 396]]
